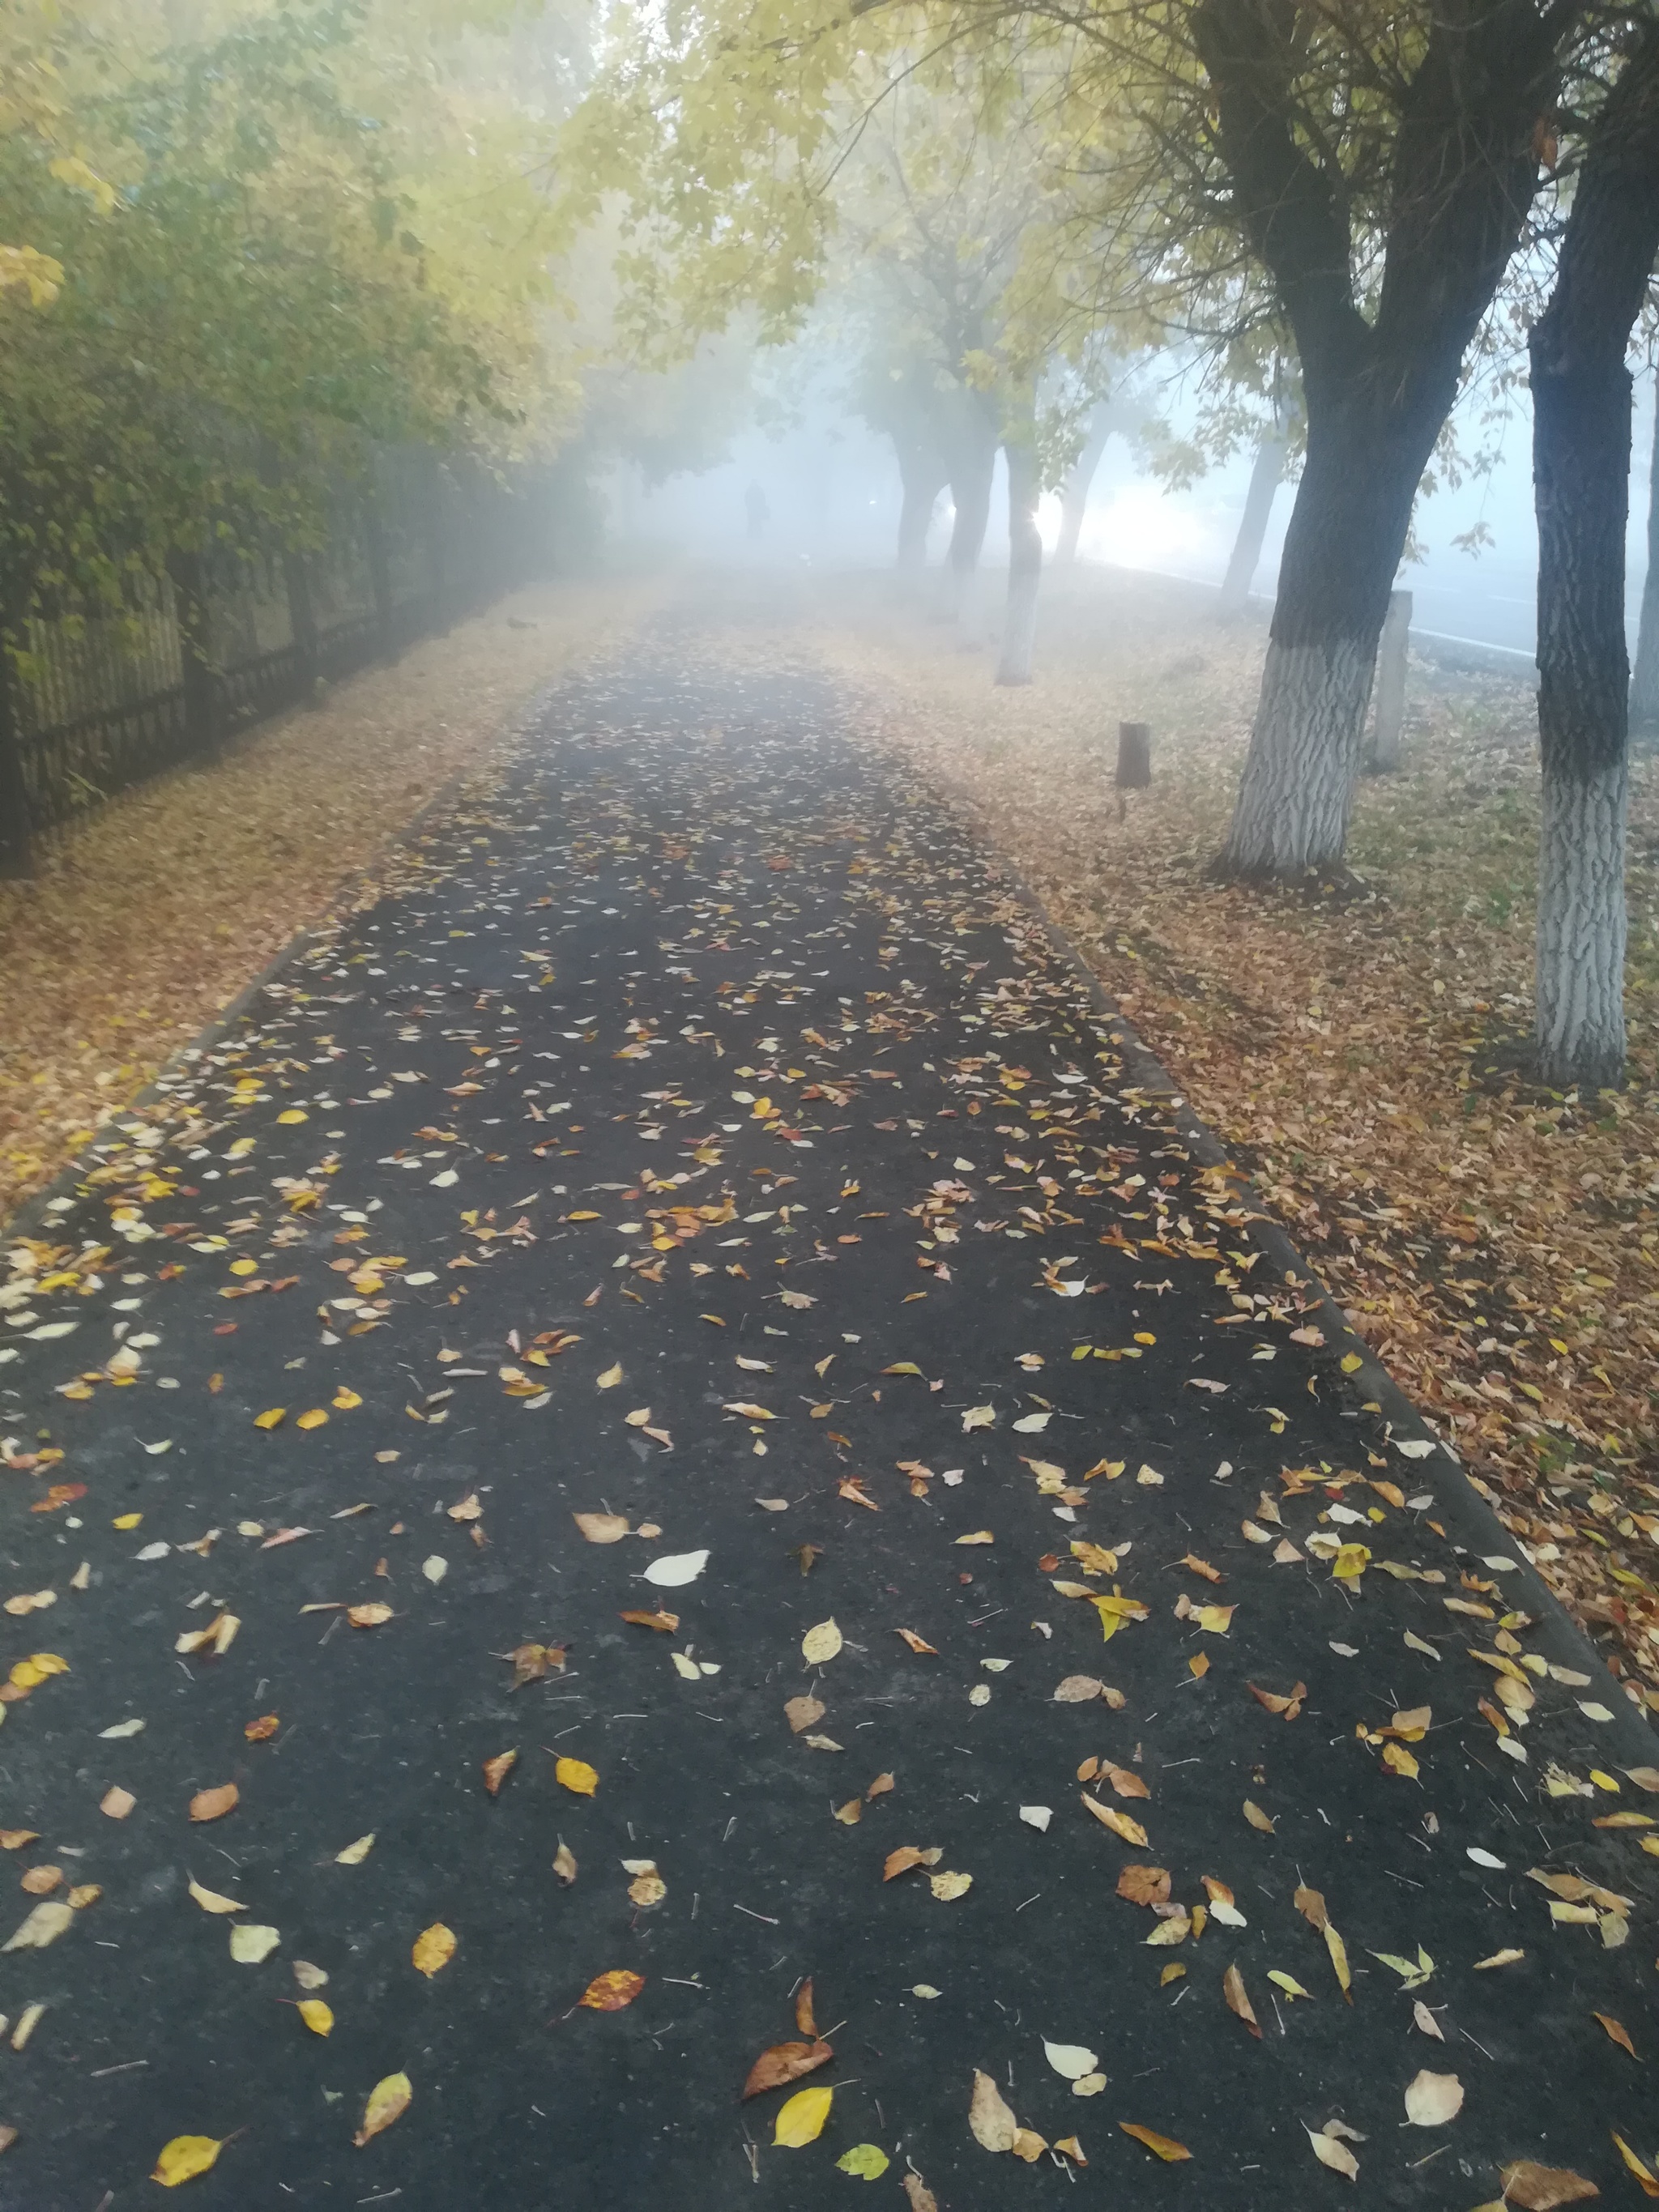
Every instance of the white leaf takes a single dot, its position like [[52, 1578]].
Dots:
[[1485, 1859], [153, 1551], [1592, 1712], [979, 1416], [686, 1669], [1416, 1643], [434, 1569], [44, 1925], [48, 1329], [677, 1569], [1036, 1816], [444, 1178], [1426, 2020], [1069, 2060], [249, 1944], [1414, 1447], [1345, 1651], [1431, 2100], [121, 1729], [1033, 1423]]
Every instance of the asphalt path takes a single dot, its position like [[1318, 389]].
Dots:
[[701, 1134]]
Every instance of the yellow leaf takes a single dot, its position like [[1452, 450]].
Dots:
[[210, 1900], [344, 1400], [387, 2101], [576, 1774], [126, 1520], [820, 1646], [1118, 1823], [1396, 1757], [291, 1116], [316, 1419], [185, 2157], [271, 1419], [1351, 1363], [316, 2015], [800, 2118], [433, 1948], [611, 1377], [1164, 2146], [355, 1854]]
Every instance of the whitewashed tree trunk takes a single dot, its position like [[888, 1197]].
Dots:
[[1025, 555], [1581, 928], [1644, 677], [1293, 809]]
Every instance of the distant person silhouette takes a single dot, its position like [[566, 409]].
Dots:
[[759, 513]]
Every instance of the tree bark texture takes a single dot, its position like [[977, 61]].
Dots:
[[1074, 492], [1267, 474], [1376, 388], [1580, 401], [1644, 682], [1025, 553]]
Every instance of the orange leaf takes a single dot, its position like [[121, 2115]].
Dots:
[[805, 2024], [214, 1804], [1238, 2001], [915, 1642], [1164, 2146], [496, 1769], [611, 1993], [1144, 1885], [261, 1730]]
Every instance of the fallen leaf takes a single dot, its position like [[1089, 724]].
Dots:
[[1118, 1823], [602, 1528], [612, 1992], [949, 1887], [820, 1645], [1620, 2034], [263, 1729], [611, 1376], [867, 2161], [433, 1948], [317, 2016], [388, 2100], [211, 1901], [369, 1616], [1431, 2100], [1164, 2146], [43, 1926], [917, 1643], [1335, 2154], [677, 1569], [803, 1713], [496, 1769], [1071, 2061], [564, 1864], [800, 2118], [575, 1774], [184, 2157], [250, 1945], [214, 1804], [355, 1854], [785, 2062], [992, 2125], [1535, 2188], [1144, 1885], [1237, 2000], [116, 1802], [1257, 1818]]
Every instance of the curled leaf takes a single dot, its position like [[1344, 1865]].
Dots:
[[785, 2062], [1164, 2146], [496, 1769], [992, 2122]]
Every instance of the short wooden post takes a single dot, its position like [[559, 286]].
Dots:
[[1134, 755], [1391, 685], [16, 858]]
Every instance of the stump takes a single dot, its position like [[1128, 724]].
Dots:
[[1134, 755]]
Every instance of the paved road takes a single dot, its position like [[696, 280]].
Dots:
[[700, 1135]]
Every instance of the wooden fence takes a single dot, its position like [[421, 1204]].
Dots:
[[96, 703]]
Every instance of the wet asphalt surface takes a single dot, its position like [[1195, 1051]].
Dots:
[[705, 1049]]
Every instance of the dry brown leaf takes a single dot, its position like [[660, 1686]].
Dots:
[[1620, 2034], [214, 1804], [496, 1769], [1164, 2146], [992, 2125], [602, 1528], [1144, 1885], [1535, 2188], [1238, 2001], [785, 2062], [803, 1713], [1118, 1823]]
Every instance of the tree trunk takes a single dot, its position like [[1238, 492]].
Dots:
[[1347, 532], [1645, 684], [1580, 401], [1025, 553], [1267, 474], [16, 856], [1074, 492], [923, 478], [1393, 654], [970, 487]]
